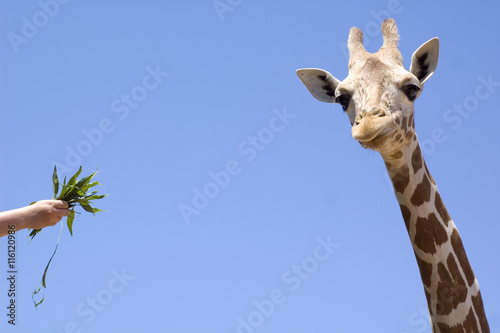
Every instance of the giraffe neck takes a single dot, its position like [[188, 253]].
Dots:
[[451, 288]]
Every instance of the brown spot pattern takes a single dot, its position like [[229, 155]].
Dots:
[[416, 159], [429, 233], [408, 121], [441, 209], [401, 180], [425, 271], [422, 192], [477, 302], [411, 121], [397, 155], [451, 289], [406, 216], [404, 124], [428, 297], [427, 172], [469, 325], [458, 248]]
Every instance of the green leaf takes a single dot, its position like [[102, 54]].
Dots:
[[69, 192], [87, 207], [33, 297], [84, 182], [37, 304], [74, 192], [72, 180], [64, 190], [53, 254], [69, 221], [33, 233], [55, 182], [69, 189], [90, 209], [93, 184], [47, 268], [96, 197]]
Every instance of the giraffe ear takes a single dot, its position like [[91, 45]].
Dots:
[[320, 83], [424, 60]]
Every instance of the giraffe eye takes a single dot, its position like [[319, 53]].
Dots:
[[343, 100], [411, 91]]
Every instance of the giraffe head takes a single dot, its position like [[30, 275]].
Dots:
[[378, 93]]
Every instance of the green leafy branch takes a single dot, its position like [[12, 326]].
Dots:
[[74, 192]]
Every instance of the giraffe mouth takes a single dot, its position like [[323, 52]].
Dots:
[[368, 130], [369, 137]]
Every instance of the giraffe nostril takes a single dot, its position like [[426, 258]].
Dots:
[[377, 112]]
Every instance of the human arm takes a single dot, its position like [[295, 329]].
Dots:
[[43, 213]]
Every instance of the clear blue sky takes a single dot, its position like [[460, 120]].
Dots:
[[297, 228]]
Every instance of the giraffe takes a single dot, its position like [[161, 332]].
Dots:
[[378, 97]]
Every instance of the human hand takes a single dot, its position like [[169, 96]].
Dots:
[[44, 213]]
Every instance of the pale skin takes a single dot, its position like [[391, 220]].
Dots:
[[43, 213]]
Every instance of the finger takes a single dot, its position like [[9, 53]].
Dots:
[[62, 212], [60, 204]]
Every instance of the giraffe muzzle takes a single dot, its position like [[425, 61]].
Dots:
[[374, 112], [369, 125]]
